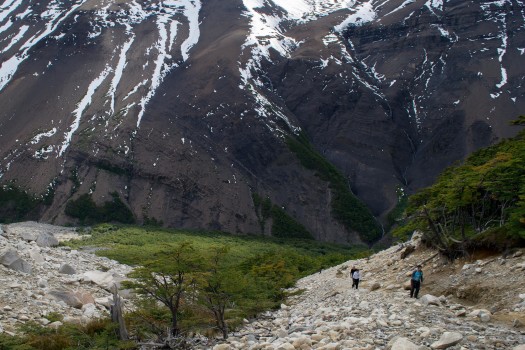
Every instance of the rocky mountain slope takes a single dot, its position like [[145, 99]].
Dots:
[[469, 304], [183, 107]]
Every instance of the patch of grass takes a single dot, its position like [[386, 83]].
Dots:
[[54, 316], [134, 245]]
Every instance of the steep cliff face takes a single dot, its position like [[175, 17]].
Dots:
[[183, 107]]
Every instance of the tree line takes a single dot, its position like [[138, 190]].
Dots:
[[479, 203]]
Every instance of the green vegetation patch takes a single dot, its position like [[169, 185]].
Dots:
[[283, 225], [480, 203], [396, 215], [221, 278], [346, 208], [88, 212], [97, 334], [17, 205]]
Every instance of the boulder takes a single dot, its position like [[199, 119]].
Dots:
[[67, 269], [484, 317], [21, 265], [429, 299], [281, 333], [105, 280], [447, 340], [479, 312], [407, 285], [375, 286], [519, 347], [46, 240], [222, 347], [403, 344], [42, 283], [302, 341], [90, 311], [105, 301], [67, 297], [9, 258], [29, 236], [36, 256], [461, 313], [364, 305], [84, 297], [409, 249]]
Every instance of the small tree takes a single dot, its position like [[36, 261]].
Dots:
[[221, 286], [166, 278]]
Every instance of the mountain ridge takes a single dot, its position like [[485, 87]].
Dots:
[[193, 101]]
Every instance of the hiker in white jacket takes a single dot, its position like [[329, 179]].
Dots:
[[355, 278]]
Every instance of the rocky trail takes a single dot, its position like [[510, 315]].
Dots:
[[328, 314], [476, 303]]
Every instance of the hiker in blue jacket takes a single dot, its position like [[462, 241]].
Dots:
[[415, 282]]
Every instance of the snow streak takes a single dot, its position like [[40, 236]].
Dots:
[[82, 105]]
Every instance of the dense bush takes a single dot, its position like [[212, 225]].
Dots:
[[17, 205], [86, 210], [478, 203]]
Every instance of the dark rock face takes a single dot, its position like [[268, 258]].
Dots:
[[182, 108]]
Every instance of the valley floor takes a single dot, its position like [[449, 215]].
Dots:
[[462, 305], [476, 303]]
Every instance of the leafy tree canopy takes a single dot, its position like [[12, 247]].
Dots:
[[478, 203]]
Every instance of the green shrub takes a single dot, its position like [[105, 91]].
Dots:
[[479, 203], [17, 205], [86, 210], [54, 316], [83, 208], [283, 224]]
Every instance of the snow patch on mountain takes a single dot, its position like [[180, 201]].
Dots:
[[364, 13], [83, 104]]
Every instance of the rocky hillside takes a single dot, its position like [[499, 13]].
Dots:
[[182, 108], [39, 280], [472, 304]]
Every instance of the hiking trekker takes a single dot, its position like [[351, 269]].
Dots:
[[415, 281], [356, 275], [354, 269]]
